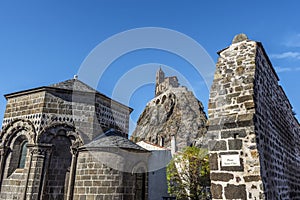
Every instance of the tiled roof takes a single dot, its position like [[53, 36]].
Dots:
[[73, 84], [115, 139]]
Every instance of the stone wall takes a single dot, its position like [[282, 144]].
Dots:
[[27, 106], [92, 113], [18, 180], [26, 183], [277, 134], [250, 119], [231, 128], [59, 169], [95, 180]]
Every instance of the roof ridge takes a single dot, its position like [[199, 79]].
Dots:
[[73, 84], [113, 138]]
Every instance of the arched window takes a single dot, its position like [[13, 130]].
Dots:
[[23, 154], [17, 156]]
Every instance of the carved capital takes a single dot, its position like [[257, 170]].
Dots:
[[40, 149], [74, 151]]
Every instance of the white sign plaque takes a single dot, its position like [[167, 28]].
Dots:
[[230, 160]]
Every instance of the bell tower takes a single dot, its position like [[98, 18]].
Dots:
[[160, 77]]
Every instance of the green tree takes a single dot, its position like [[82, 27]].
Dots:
[[188, 174]]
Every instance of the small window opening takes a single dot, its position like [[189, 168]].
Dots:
[[163, 99], [235, 135], [162, 141]]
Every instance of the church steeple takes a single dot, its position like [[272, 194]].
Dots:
[[160, 77]]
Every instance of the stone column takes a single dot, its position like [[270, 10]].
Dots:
[[46, 163], [72, 173], [3, 154], [35, 179]]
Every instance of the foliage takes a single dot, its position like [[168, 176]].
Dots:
[[188, 174]]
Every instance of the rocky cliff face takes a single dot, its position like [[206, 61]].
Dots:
[[175, 115]]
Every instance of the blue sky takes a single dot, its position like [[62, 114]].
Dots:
[[44, 42]]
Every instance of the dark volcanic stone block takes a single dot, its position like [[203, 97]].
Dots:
[[235, 192], [216, 191], [221, 177]]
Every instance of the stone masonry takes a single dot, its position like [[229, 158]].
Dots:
[[71, 102], [96, 180], [251, 120], [42, 133], [111, 167]]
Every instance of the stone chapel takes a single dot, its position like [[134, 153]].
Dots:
[[68, 141]]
